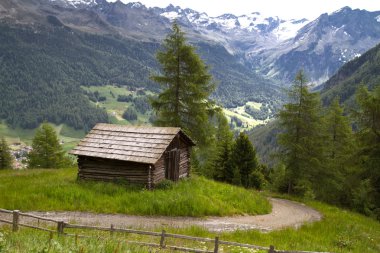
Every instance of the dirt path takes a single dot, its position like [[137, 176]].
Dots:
[[285, 213]]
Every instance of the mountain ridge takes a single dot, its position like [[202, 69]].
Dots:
[[244, 52], [274, 47]]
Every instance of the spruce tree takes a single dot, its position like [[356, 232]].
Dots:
[[184, 101], [46, 151], [6, 158], [221, 163], [301, 140], [243, 159], [339, 150], [368, 119]]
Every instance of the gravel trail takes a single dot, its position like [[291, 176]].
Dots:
[[285, 213]]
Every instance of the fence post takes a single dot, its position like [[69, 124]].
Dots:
[[16, 218], [60, 227], [112, 230], [216, 248], [162, 241], [271, 249], [50, 238]]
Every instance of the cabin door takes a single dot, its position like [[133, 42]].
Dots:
[[172, 165]]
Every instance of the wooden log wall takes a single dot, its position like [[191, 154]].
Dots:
[[184, 162], [111, 170], [159, 170], [158, 173]]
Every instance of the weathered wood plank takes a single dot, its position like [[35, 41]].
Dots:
[[119, 152], [127, 139], [143, 150], [135, 135], [114, 156]]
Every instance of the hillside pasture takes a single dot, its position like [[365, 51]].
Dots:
[[59, 190]]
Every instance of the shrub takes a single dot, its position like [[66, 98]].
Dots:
[[130, 114], [257, 180]]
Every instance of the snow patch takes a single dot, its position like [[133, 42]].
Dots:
[[227, 23], [75, 3], [170, 15], [136, 5], [288, 29], [378, 18]]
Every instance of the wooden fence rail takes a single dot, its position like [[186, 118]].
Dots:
[[61, 225]]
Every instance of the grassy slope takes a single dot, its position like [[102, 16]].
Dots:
[[26, 241], [339, 231], [116, 109], [65, 133], [59, 190]]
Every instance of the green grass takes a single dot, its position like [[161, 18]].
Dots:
[[339, 231], [114, 108], [26, 241], [68, 135], [45, 190]]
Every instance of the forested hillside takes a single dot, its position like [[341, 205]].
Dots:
[[362, 70], [43, 67]]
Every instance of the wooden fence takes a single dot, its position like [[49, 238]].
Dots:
[[163, 235]]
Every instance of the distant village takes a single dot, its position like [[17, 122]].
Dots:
[[19, 152]]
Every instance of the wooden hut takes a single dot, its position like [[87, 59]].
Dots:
[[144, 155]]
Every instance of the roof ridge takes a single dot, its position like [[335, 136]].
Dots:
[[122, 138]]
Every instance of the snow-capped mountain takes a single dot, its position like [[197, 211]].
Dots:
[[76, 3], [229, 23], [279, 48], [322, 46], [272, 46]]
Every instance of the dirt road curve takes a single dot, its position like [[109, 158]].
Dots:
[[285, 213]]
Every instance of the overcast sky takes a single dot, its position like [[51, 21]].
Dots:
[[287, 9]]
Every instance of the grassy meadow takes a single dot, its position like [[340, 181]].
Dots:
[[340, 231], [27, 240], [68, 135], [46, 190], [115, 108]]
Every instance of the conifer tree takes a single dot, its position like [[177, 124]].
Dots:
[[6, 158], [339, 150], [301, 140], [222, 160], [184, 101], [244, 159], [46, 151], [368, 118]]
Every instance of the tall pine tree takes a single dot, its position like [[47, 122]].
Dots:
[[301, 140], [221, 163], [6, 158], [187, 85], [243, 160], [368, 118], [46, 151], [339, 150]]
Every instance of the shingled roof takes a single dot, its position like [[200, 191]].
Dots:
[[128, 143]]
